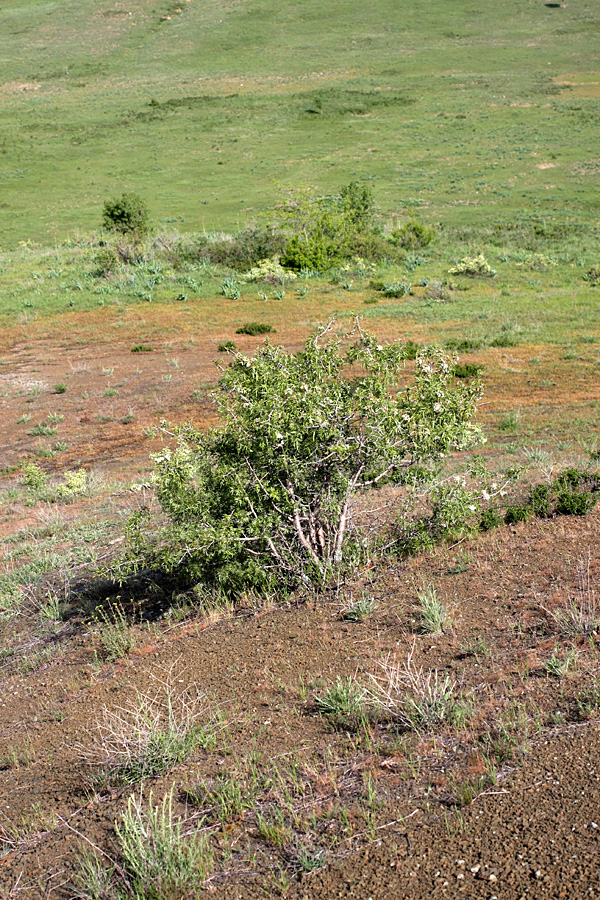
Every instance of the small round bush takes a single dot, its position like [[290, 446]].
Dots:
[[490, 519], [128, 214], [573, 503], [516, 514]]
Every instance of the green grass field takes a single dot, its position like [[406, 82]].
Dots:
[[457, 109]]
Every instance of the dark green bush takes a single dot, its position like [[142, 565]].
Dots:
[[245, 249], [254, 328], [318, 251], [490, 519], [411, 349], [463, 345], [515, 514], [358, 205], [128, 214], [372, 246], [466, 370], [226, 347], [574, 503], [569, 478], [540, 500], [141, 348]]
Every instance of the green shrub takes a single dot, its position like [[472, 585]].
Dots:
[[462, 345], [106, 261], [516, 514], [358, 205], [243, 250], [503, 340], [142, 348], [128, 215], [539, 500], [411, 350], [490, 519], [226, 347], [323, 232], [413, 235], [466, 370], [574, 503], [254, 328], [266, 497]]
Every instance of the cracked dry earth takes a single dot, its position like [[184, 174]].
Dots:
[[385, 810]]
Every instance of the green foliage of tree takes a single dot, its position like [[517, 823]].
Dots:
[[323, 231], [127, 214], [269, 496]]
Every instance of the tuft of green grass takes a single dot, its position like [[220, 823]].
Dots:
[[344, 699], [114, 632], [433, 612], [160, 858], [557, 666], [359, 610]]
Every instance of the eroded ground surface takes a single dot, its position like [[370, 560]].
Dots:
[[387, 809]]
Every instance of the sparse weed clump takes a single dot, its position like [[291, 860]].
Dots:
[[557, 665], [151, 734], [413, 697], [579, 615], [114, 632], [359, 610]]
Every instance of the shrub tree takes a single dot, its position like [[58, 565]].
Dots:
[[325, 231], [128, 214], [267, 497]]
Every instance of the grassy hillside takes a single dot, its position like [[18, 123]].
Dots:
[[469, 111]]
